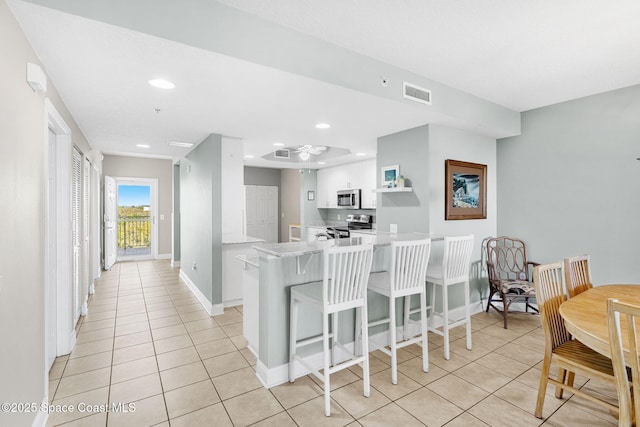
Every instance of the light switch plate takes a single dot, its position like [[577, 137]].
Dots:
[[393, 228]]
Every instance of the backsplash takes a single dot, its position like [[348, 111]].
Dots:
[[341, 214]]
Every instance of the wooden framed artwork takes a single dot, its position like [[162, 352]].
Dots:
[[465, 190]]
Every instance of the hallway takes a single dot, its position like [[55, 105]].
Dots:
[[147, 340]]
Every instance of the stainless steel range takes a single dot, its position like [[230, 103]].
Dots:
[[354, 222]]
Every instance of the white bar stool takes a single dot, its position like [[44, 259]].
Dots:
[[454, 269], [344, 287], [405, 278]]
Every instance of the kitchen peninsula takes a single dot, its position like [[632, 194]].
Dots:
[[282, 265]]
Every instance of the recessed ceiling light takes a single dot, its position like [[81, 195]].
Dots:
[[323, 126], [322, 163], [143, 146], [181, 144], [278, 144], [249, 156], [361, 154], [161, 83]]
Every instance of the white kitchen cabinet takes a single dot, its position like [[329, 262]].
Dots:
[[366, 237], [312, 232], [360, 175], [368, 184]]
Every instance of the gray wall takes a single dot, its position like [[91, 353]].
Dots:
[[162, 170], [265, 176], [569, 184], [289, 201], [22, 215], [410, 150], [201, 217], [176, 214], [309, 212]]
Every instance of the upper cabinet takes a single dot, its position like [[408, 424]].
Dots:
[[360, 175]]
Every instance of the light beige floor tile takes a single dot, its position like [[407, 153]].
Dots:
[[171, 359], [158, 299], [97, 419], [132, 328], [235, 383], [195, 315], [193, 305], [187, 399], [205, 417], [403, 356], [100, 315], [338, 379], [199, 325], [128, 340], [429, 408], [79, 365], [134, 352], [206, 335], [232, 330], [295, 393], [390, 415], [525, 397], [169, 331], [249, 356], [53, 386], [574, 415], [513, 369], [230, 316], [224, 364], [216, 348], [183, 375], [98, 324], [157, 306], [129, 319], [466, 420], [94, 397], [311, 413], [134, 369], [95, 335], [282, 419], [80, 383], [58, 367], [173, 343], [515, 352], [148, 412], [492, 405], [239, 341], [93, 347], [458, 391], [413, 369], [455, 362], [487, 379], [162, 313], [135, 389], [375, 365], [382, 382], [351, 398], [262, 403], [163, 322]]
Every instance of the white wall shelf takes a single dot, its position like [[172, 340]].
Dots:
[[394, 190]]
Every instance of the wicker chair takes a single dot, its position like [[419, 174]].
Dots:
[[509, 275], [567, 354], [577, 274]]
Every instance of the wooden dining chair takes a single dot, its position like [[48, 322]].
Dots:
[[569, 355], [577, 274], [629, 312]]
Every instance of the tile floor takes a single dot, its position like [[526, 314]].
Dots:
[[148, 341]]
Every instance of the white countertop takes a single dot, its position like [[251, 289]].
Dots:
[[237, 238], [305, 248]]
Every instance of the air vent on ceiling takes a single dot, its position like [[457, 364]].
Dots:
[[416, 93], [281, 154]]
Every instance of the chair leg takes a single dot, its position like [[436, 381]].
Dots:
[[542, 387], [467, 309], [505, 308], [327, 355], [407, 311], [445, 320], [293, 330], [562, 376], [393, 341], [423, 329], [365, 351], [491, 292], [334, 340], [357, 342]]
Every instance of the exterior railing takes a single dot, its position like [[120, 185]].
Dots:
[[134, 232]]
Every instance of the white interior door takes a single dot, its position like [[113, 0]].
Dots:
[[76, 234], [262, 212], [52, 259], [110, 222], [271, 213]]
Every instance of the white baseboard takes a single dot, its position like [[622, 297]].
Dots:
[[212, 309], [271, 377], [233, 302], [175, 264], [164, 256], [42, 416]]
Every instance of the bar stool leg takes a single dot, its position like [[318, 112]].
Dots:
[[467, 303], [293, 331], [327, 356], [334, 340], [445, 320], [365, 350], [392, 341], [407, 312], [423, 327]]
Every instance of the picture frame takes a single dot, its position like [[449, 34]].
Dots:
[[465, 190], [311, 195], [389, 175]]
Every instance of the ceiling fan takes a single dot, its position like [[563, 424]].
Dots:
[[305, 151]]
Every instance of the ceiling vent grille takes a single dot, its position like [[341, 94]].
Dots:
[[281, 154], [416, 93]]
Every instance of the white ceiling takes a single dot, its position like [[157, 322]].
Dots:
[[521, 54]]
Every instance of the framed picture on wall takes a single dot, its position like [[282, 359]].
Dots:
[[465, 190], [389, 175], [311, 195]]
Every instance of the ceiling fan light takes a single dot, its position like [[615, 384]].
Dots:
[[304, 155]]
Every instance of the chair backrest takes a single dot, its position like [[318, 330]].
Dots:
[[548, 280], [622, 322], [456, 259], [409, 261], [346, 274], [506, 259], [577, 274]]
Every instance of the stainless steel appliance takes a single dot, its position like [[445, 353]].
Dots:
[[354, 222], [349, 199]]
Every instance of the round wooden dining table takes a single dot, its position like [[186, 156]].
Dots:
[[585, 315]]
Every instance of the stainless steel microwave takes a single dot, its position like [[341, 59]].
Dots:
[[349, 199]]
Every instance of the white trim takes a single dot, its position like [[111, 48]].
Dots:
[[212, 309], [164, 256], [175, 264], [233, 302], [42, 416]]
